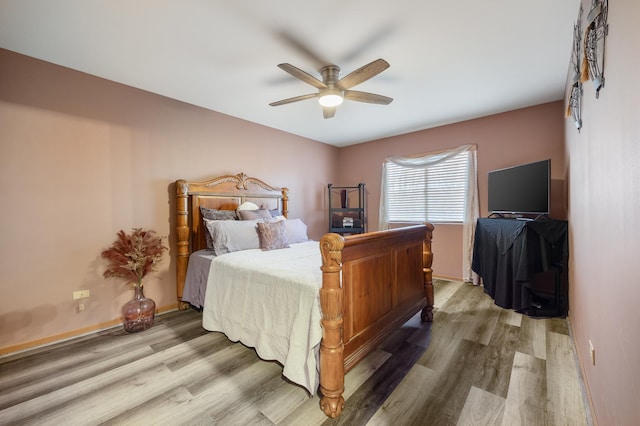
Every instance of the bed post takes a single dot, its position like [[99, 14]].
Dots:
[[427, 261], [285, 202], [182, 237], [332, 346]]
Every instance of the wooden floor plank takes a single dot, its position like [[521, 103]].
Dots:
[[126, 387], [411, 392], [14, 392], [486, 316], [244, 407], [533, 337], [282, 399], [564, 394], [481, 408], [414, 331], [130, 380], [473, 357], [511, 317], [443, 345], [494, 373], [470, 314], [464, 368], [464, 298], [224, 396], [153, 409], [527, 395], [558, 325], [443, 290], [364, 402]]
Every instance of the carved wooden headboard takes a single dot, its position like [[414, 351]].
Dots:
[[224, 193]]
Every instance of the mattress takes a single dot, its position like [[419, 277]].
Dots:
[[268, 300]]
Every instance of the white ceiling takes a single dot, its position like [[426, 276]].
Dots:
[[450, 60]]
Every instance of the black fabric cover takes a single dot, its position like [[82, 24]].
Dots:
[[508, 253]]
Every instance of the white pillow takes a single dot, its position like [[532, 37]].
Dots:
[[233, 235], [296, 231], [248, 205]]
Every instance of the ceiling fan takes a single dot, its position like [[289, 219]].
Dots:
[[332, 91]]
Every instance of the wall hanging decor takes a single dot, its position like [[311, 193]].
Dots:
[[574, 98], [594, 43]]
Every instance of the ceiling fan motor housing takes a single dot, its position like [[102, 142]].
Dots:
[[330, 74]]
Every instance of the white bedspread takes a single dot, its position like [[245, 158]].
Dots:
[[269, 300]]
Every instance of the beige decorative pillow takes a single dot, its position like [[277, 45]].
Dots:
[[272, 235], [254, 214]]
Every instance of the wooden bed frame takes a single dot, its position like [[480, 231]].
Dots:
[[372, 283]]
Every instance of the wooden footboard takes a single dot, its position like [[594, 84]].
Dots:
[[371, 284]]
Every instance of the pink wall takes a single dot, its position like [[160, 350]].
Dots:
[[604, 183], [82, 157], [503, 140]]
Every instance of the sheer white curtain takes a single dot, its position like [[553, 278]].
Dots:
[[471, 210]]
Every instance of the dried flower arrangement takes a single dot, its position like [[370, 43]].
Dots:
[[132, 256]]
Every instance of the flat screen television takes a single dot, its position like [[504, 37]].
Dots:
[[522, 189]]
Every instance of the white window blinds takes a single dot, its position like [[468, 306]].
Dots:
[[434, 193]]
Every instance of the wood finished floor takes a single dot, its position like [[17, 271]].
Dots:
[[476, 364]]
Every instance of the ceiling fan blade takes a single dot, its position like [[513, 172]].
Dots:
[[294, 99], [370, 98], [328, 112], [363, 74], [302, 48], [302, 75], [366, 44]]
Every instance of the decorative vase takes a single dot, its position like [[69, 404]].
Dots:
[[138, 314]]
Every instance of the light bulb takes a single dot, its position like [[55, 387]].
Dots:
[[331, 98]]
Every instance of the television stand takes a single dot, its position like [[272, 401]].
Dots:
[[523, 264]]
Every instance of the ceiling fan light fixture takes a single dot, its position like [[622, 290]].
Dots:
[[331, 98], [333, 90]]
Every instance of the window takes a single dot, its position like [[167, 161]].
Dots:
[[434, 192], [439, 187]]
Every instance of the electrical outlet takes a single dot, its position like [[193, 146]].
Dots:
[[80, 294], [592, 351]]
